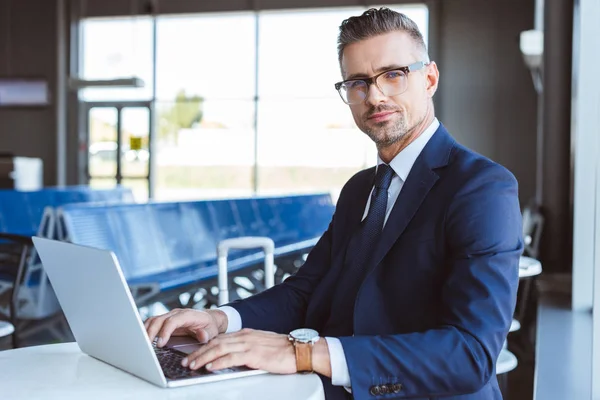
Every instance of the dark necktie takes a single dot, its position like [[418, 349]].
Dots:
[[358, 256], [359, 252]]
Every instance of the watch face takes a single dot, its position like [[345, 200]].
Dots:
[[305, 335]]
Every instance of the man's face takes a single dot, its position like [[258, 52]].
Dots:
[[384, 119]]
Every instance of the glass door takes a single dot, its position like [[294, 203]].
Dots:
[[118, 146]]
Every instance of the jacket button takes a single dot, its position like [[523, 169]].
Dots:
[[375, 390], [386, 389], [396, 388]]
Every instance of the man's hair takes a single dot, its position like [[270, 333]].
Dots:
[[374, 22]]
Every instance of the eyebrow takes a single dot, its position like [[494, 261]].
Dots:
[[378, 70]]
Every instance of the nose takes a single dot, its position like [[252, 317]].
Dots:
[[375, 95]]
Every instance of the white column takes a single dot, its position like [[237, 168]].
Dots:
[[61, 93], [586, 132], [585, 126]]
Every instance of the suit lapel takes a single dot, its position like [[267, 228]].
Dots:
[[359, 203], [419, 182], [349, 211]]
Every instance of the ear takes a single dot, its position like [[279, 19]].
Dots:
[[432, 78]]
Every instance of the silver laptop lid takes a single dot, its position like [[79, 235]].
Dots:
[[101, 312]]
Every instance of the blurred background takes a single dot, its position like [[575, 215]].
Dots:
[[179, 100]]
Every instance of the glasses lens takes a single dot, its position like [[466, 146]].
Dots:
[[392, 83], [354, 92]]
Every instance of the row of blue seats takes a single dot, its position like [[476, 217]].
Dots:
[[22, 212], [167, 246], [161, 245], [28, 213]]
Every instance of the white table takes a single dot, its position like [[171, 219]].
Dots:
[[6, 328], [62, 371], [529, 267], [506, 362], [515, 326]]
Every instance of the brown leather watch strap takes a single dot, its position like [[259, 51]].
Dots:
[[303, 357]]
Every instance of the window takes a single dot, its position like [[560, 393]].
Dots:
[[205, 105], [207, 156], [307, 139], [230, 117], [117, 48]]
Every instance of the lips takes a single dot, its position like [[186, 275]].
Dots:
[[381, 116]]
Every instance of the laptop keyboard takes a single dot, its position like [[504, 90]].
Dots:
[[170, 362]]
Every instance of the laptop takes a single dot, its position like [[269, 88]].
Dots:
[[102, 314]]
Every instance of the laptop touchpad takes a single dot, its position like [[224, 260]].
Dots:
[[187, 348], [184, 344]]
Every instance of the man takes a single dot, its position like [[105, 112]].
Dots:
[[413, 286]]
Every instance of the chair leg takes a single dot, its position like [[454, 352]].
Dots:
[[15, 296], [13, 319], [523, 341], [15, 339], [503, 384], [525, 295], [14, 322]]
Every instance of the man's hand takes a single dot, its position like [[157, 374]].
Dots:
[[268, 351], [203, 325]]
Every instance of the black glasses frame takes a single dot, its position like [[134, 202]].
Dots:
[[373, 79]]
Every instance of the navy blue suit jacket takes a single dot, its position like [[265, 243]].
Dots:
[[435, 309]]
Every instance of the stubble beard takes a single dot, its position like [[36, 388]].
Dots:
[[387, 133]]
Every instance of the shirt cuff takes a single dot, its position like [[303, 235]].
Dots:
[[234, 319], [340, 376]]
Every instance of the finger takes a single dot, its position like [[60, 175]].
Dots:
[[168, 327], [203, 336], [229, 360], [154, 326], [147, 323], [211, 329], [210, 346], [208, 354]]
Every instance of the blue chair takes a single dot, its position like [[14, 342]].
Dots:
[[22, 215], [166, 249]]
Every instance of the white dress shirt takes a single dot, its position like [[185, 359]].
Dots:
[[401, 164]]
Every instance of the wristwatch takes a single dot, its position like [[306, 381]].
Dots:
[[303, 340]]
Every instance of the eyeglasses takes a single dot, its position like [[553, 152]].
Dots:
[[391, 83]]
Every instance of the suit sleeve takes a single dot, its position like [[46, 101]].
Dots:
[[282, 308], [483, 244]]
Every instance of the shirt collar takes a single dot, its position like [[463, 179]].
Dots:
[[403, 162]]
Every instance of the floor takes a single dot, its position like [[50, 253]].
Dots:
[[520, 380], [565, 350]]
